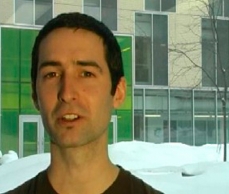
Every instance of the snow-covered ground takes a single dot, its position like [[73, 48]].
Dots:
[[173, 168]]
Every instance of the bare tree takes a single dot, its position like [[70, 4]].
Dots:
[[186, 49]]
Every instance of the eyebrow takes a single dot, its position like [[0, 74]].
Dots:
[[49, 63], [75, 62], [88, 63]]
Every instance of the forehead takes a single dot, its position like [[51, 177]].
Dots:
[[70, 39]]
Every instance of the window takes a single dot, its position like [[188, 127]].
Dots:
[[215, 56], [150, 111], [103, 10], [156, 113], [33, 12], [160, 50], [151, 49], [204, 117], [226, 10], [208, 54], [161, 5], [92, 7], [220, 118], [143, 49], [181, 116], [222, 52], [193, 117], [219, 8], [139, 132]]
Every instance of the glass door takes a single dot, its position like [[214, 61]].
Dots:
[[31, 135]]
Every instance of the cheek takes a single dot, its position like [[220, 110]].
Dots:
[[45, 98], [100, 97]]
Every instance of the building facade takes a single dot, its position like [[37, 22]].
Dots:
[[176, 58]]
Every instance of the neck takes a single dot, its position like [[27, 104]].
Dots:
[[84, 169]]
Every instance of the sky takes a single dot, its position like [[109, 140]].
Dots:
[[173, 168]]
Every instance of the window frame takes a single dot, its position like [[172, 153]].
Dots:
[[160, 7], [33, 14], [153, 81], [100, 13], [215, 56]]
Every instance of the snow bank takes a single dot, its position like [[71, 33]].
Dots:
[[173, 168], [9, 157]]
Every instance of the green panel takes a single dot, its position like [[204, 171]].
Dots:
[[124, 125], [30, 139], [10, 43], [10, 69], [25, 70], [10, 97], [26, 43], [128, 100], [9, 129], [16, 97], [27, 106], [125, 43], [10, 54], [124, 112]]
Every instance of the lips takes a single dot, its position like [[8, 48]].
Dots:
[[69, 117]]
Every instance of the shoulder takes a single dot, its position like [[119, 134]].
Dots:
[[31, 186], [138, 185]]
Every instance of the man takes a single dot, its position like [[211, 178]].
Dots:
[[77, 80]]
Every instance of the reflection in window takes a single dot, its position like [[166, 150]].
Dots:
[[160, 50], [216, 7], [226, 6], [160, 5], [187, 116], [103, 10], [204, 117], [153, 5], [139, 133], [143, 49], [181, 116], [156, 112], [219, 8], [208, 53], [222, 52], [43, 11], [26, 10], [168, 5], [210, 49], [220, 116], [151, 49], [92, 7], [109, 13]]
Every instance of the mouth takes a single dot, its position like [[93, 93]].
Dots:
[[69, 117]]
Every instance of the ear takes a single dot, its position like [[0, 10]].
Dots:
[[120, 93]]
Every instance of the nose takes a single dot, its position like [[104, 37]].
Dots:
[[67, 89]]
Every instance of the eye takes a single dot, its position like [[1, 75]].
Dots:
[[51, 75], [87, 74]]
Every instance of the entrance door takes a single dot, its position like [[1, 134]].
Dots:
[[112, 130], [31, 135]]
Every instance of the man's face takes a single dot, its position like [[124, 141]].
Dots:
[[73, 87]]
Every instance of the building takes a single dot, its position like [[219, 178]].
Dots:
[[175, 53]]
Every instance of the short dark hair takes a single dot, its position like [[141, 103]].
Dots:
[[77, 20]]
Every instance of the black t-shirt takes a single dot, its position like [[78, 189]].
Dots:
[[125, 183]]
